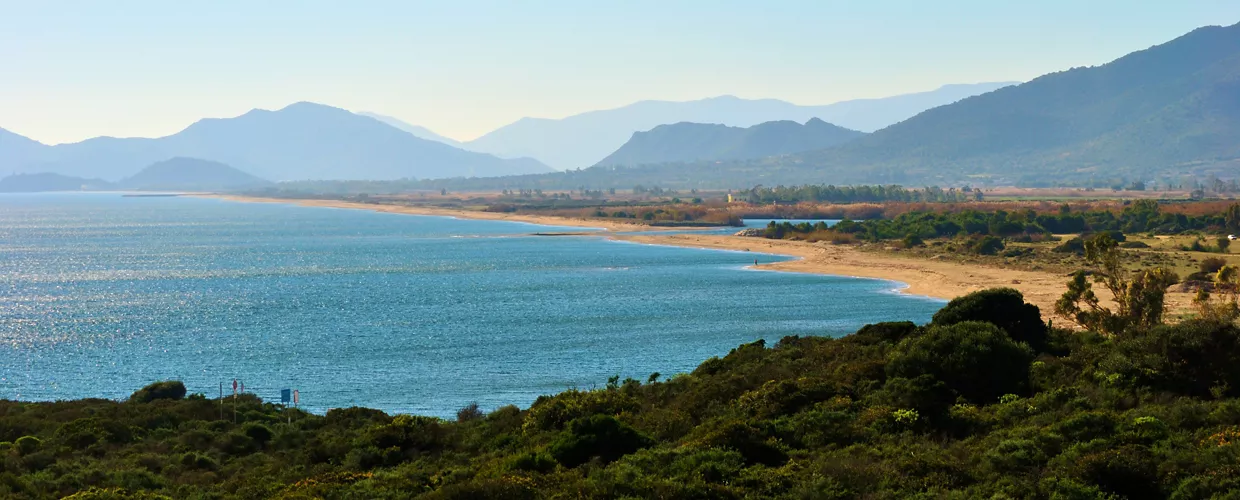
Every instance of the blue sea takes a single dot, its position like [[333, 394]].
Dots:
[[101, 294]]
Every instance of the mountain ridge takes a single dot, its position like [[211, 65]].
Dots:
[[300, 141], [583, 139], [1117, 115], [191, 174], [1167, 114], [417, 130], [688, 141]]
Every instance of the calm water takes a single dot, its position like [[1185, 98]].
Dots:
[[101, 294]]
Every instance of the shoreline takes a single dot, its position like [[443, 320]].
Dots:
[[457, 213], [919, 277]]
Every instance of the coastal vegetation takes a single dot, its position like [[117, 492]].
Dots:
[[858, 194], [1140, 216], [986, 400]]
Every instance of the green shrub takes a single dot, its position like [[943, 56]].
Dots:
[[1195, 358], [260, 433], [1128, 471], [94, 493], [744, 438], [27, 444], [1086, 426], [600, 436], [532, 462], [198, 461], [987, 245], [1003, 307], [975, 359], [923, 394], [171, 389], [889, 332], [1211, 265], [1075, 245], [482, 489], [554, 412], [1015, 456]]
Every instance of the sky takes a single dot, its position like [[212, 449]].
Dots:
[[137, 68]]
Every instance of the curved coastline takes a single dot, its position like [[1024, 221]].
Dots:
[[897, 287], [937, 279]]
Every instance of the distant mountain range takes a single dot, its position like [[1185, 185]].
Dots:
[[301, 141], [1169, 110], [417, 130], [176, 174], [683, 142], [1157, 114], [34, 183], [585, 139]]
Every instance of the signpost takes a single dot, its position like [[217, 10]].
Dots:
[[286, 395]]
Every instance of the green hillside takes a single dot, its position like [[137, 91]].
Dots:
[[984, 402]]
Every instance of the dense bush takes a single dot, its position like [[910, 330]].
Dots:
[[1003, 307], [172, 389], [597, 436], [987, 245], [975, 359], [1211, 265]]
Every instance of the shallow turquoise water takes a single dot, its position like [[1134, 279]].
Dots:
[[101, 294]]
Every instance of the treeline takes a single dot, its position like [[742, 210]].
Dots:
[[985, 401], [858, 194], [1137, 217]]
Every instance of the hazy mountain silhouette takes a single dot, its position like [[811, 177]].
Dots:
[[301, 141], [682, 142], [1164, 111], [191, 174], [16, 149], [1157, 114], [417, 130], [33, 183], [584, 139]]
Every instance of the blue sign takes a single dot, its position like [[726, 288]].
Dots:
[[286, 395]]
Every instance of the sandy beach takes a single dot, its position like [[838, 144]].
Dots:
[[447, 212], [926, 277], [944, 280]]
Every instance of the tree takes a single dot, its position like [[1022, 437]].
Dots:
[[1225, 308], [1139, 298], [1231, 217]]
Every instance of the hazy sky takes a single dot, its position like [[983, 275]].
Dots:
[[72, 70]]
